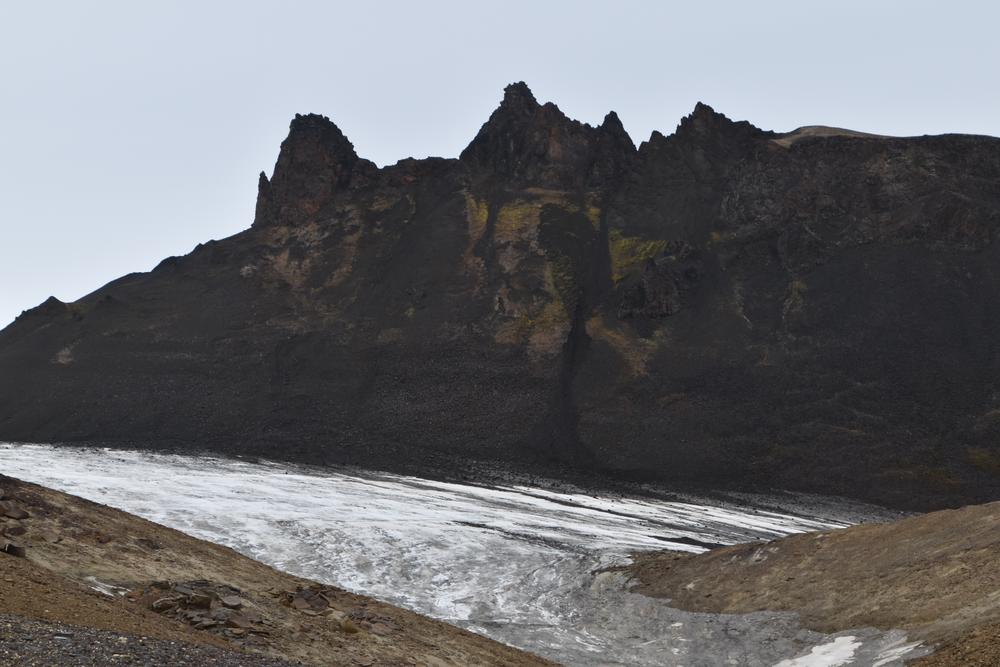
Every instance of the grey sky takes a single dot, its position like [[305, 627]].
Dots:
[[130, 131]]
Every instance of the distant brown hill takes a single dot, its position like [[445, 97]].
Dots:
[[933, 575], [725, 306]]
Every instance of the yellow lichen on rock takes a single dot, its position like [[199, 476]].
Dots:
[[593, 212], [477, 213], [541, 322], [517, 221], [549, 331], [984, 459], [551, 325], [381, 203], [291, 271], [630, 252], [636, 352]]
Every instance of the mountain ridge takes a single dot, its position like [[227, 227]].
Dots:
[[710, 307]]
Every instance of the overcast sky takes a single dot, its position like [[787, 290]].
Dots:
[[130, 131]]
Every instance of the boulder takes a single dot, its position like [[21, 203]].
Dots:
[[221, 614], [165, 603], [199, 600], [13, 549]]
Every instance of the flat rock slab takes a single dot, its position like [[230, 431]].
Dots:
[[231, 601], [12, 511]]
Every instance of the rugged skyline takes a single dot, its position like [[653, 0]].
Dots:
[[133, 132]]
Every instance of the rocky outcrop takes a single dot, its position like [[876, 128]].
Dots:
[[723, 305]]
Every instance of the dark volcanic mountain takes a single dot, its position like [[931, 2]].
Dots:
[[817, 310]]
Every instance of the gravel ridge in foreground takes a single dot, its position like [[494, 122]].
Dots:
[[34, 643]]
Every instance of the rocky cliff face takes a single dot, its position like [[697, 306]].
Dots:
[[724, 305]]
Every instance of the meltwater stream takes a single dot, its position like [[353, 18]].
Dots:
[[514, 563]]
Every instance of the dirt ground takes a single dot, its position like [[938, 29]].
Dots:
[[32, 643], [936, 575], [72, 544], [29, 590]]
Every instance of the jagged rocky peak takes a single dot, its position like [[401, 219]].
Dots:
[[315, 141], [524, 141], [705, 142], [518, 99], [314, 162], [612, 124], [706, 124]]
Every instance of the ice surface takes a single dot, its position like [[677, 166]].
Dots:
[[833, 654], [515, 563]]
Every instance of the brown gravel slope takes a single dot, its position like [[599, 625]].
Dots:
[[936, 575], [70, 542], [29, 590], [31, 643]]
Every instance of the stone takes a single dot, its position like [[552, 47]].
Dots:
[[221, 614], [199, 600], [239, 621], [12, 511], [300, 603], [253, 616], [14, 531], [13, 549], [163, 604], [231, 601]]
